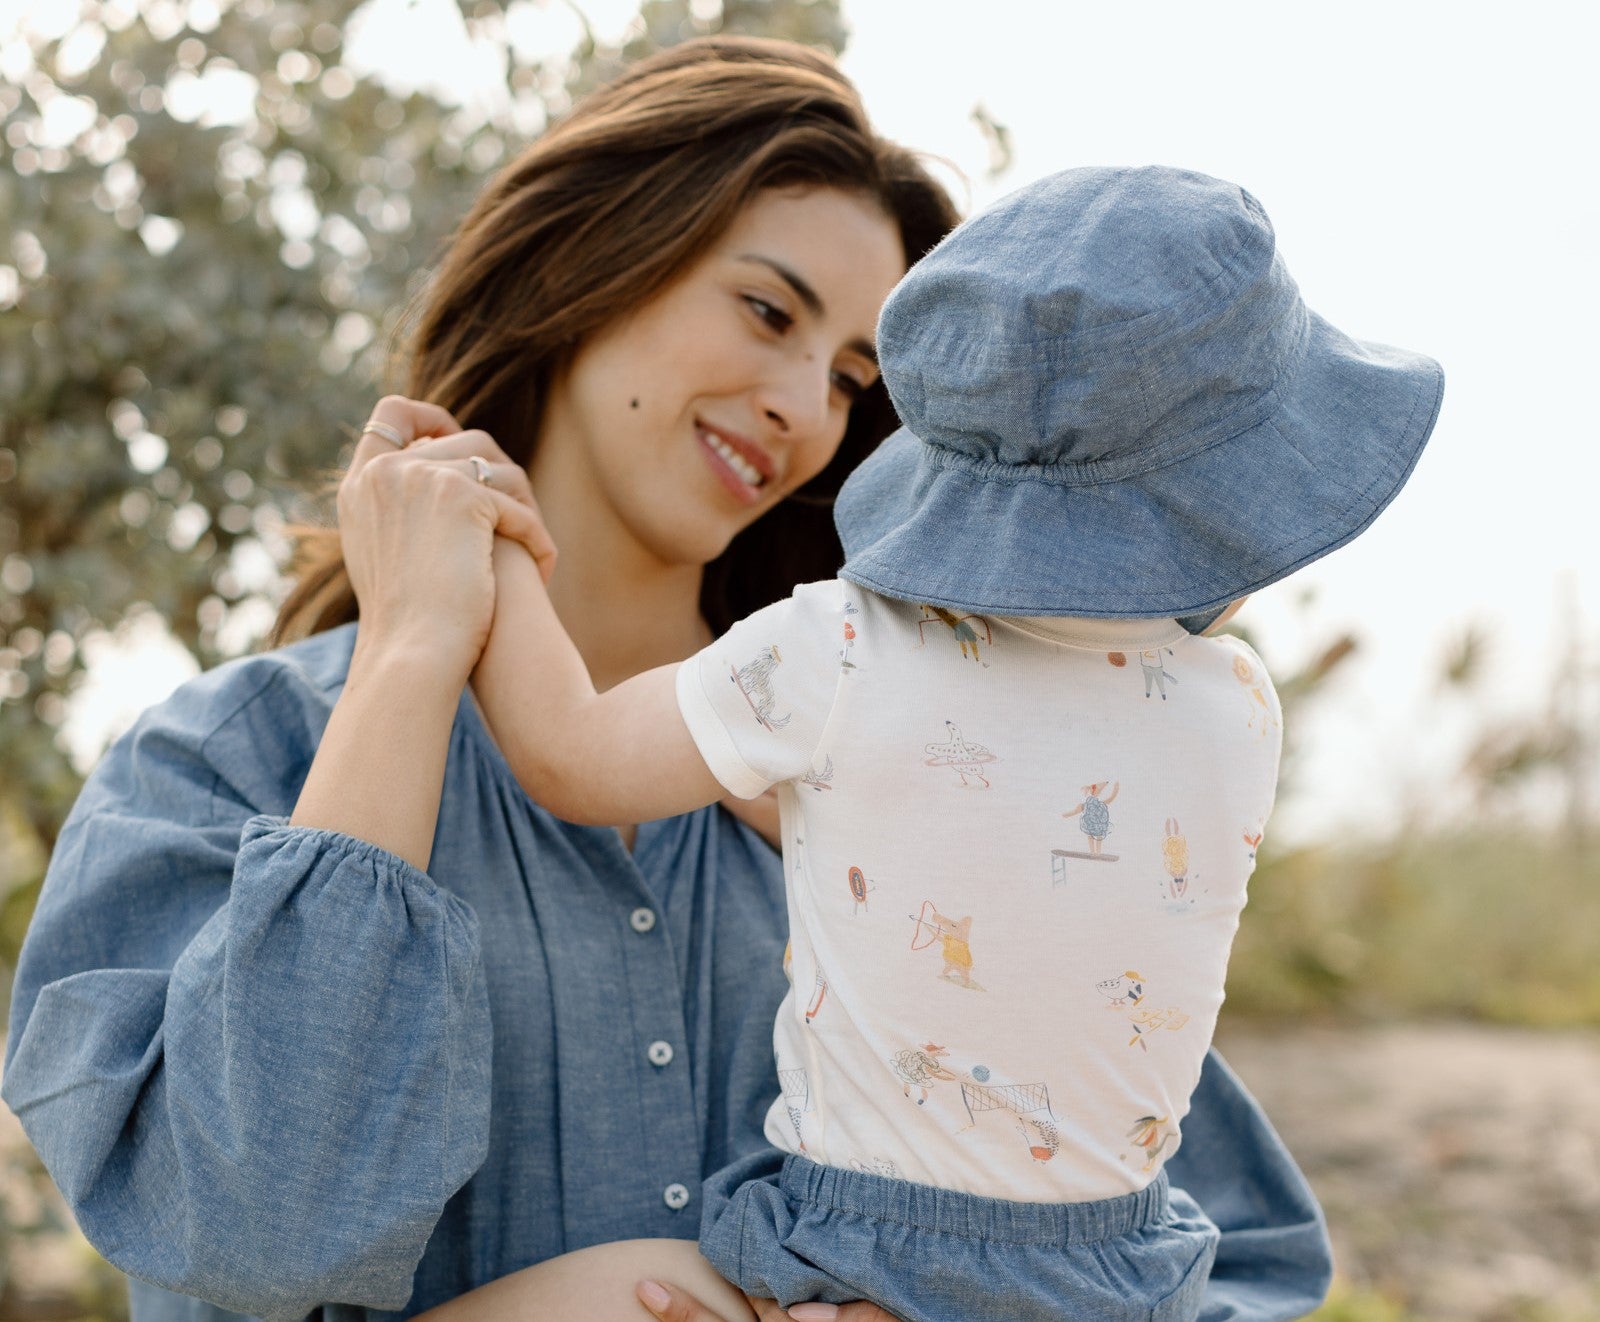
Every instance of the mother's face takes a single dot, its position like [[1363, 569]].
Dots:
[[686, 419]]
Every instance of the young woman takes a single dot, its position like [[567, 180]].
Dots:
[[318, 1011]]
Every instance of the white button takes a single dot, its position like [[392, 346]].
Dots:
[[660, 1053], [642, 920], [676, 1197]]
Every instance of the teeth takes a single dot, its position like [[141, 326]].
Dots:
[[747, 471]]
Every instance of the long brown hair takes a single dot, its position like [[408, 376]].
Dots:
[[601, 213]]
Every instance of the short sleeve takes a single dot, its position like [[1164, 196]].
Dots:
[[758, 699]]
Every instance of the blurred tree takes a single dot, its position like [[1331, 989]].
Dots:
[[209, 226]]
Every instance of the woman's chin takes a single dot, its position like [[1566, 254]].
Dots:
[[700, 537]]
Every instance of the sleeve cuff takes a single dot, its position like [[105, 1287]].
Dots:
[[711, 737], [337, 842]]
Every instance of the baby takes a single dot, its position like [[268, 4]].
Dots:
[[1020, 785]]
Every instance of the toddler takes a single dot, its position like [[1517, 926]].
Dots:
[[1020, 786]]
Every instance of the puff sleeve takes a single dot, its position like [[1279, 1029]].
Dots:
[[254, 1058]]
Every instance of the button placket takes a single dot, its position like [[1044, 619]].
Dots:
[[642, 919], [659, 1054], [675, 1196]]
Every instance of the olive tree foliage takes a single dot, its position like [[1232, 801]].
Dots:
[[195, 309]]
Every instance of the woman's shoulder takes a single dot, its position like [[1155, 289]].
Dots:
[[298, 676], [257, 717]]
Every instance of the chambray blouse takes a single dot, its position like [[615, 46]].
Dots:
[[283, 1071]]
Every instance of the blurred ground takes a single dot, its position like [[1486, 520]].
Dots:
[[1459, 1165]]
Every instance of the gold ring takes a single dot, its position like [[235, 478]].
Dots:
[[480, 470], [387, 432]]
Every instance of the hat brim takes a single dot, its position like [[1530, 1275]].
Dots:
[[1177, 540]]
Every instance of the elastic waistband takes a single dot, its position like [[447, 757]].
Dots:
[[971, 1216]]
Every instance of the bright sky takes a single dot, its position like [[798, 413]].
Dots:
[[1428, 168]]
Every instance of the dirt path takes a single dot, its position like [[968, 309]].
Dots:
[[1459, 1164]]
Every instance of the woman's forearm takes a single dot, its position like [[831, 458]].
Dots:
[[379, 770], [597, 1285]]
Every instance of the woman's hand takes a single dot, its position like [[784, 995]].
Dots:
[[417, 523], [418, 514], [668, 1303]]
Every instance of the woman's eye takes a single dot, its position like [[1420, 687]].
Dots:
[[852, 387], [775, 317]]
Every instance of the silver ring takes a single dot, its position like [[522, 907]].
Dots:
[[387, 432], [480, 470]]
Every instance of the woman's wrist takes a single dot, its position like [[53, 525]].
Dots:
[[423, 661], [379, 769]]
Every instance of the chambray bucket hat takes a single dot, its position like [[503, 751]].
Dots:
[[1116, 404]]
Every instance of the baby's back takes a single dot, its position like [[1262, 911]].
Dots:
[[1017, 864]]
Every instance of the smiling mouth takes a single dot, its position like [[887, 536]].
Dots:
[[737, 472]]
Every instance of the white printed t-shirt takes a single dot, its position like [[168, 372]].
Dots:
[[1017, 851]]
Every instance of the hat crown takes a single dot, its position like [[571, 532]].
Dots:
[[1103, 319]]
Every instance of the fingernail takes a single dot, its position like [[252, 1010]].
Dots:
[[814, 1312], [653, 1296]]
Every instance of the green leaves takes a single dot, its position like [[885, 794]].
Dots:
[[210, 227]]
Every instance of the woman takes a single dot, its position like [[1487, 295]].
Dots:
[[275, 1064]]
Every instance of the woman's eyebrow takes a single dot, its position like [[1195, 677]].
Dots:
[[809, 296]]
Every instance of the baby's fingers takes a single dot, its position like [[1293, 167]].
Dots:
[[523, 525]]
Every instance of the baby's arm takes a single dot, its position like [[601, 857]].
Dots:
[[597, 759]]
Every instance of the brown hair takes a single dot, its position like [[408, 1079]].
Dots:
[[600, 214]]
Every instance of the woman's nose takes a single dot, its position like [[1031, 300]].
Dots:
[[798, 398]]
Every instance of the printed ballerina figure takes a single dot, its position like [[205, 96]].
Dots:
[[964, 758], [1095, 809], [919, 1069], [1175, 858], [953, 935], [1255, 691], [1147, 1135], [754, 680], [1155, 670], [959, 625]]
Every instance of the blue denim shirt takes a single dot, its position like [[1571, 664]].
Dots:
[[281, 1070]]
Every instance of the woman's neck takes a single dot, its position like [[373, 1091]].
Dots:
[[624, 622], [626, 609]]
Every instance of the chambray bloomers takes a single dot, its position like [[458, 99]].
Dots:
[[281, 1070]]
